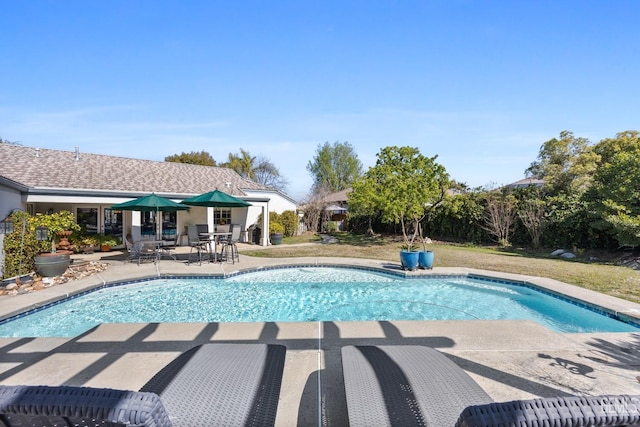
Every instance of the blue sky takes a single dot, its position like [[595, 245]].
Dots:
[[482, 84]]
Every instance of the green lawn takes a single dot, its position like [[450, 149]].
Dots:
[[604, 274]]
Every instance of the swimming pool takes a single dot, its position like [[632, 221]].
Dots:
[[309, 294]]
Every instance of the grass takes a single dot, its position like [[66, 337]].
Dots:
[[604, 274]]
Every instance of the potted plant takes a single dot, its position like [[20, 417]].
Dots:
[[49, 226], [276, 233], [108, 241], [425, 257], [403, 186], [88, 243]]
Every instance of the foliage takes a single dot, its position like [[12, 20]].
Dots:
[[20, 246], [334, 167], [500, 215], [193, 158], [615, 195], [566, 164], [109, 240], [532, 214], [459, 217], [314, 209], [243, 164], [404, 186], [289, 220], [56, 222], [257, 169], [275, 227]]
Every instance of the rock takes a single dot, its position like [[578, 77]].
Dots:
[[11, 286], [557, 252], [568, 255]]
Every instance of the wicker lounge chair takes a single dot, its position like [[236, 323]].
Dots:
[[209, 385], [419, 386]]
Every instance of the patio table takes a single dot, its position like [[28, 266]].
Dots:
[[213, 239]]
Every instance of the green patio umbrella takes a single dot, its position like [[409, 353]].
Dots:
[[151, 203], [216, 199]]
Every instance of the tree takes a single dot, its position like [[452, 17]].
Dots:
[[615, 195], [258, 169], [268, 174], [243, 164], [334, 167], [314, 209], [404, 186], [194, 158], [532, 214], [566, 164], [500, 215]]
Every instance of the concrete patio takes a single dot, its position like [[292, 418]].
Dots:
[[509, 359]]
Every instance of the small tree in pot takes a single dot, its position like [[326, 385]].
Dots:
[[403, 186]]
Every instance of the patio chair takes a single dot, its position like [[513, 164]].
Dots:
[[138, 251], [197, 244], [169, 250], [209, 385], [419, 386], [229, 248]]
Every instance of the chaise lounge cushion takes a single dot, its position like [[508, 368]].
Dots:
[[572, 411], [405, 386], [79, 406], [209, 385]]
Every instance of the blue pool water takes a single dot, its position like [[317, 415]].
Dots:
[[308, 294]]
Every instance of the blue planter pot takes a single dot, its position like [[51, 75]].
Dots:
[[425, 259], [409, 260], [276, 238]]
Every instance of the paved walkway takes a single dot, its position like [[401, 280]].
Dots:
[[509, 359]]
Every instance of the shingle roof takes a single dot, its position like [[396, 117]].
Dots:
[[55, 169]]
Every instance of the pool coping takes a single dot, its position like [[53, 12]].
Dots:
[[121, 273]]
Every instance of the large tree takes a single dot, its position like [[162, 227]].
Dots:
[[566, 164], [256, 168], [194, 158], [615, 194], [243, 163], [404, 186], [334, 167]]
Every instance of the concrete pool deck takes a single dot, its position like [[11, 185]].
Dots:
[[509, 359]]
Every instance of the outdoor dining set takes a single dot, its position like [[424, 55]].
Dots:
[[203, 243]]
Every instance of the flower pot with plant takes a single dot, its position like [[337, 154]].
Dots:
[[107, 242], [276, 233], [48, 227]]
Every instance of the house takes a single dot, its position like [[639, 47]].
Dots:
[[525, 183], [42, 180]]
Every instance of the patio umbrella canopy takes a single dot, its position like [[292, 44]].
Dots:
[[151, 203], [216, 199]]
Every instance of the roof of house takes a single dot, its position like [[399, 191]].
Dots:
[[526, 182], [338, 197], [35, 168]]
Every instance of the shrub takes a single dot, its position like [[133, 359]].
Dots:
[[289, 219], [275, 227]]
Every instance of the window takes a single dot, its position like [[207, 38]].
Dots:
[[222, 216]]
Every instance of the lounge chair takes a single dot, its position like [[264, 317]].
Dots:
[[209, 385], [419, 386]]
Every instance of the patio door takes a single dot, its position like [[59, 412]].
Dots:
[[100, 219], [87, 218]]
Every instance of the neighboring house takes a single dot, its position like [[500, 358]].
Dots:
[[42, 180], [526, 182]]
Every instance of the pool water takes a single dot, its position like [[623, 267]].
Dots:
[[308, 294]]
